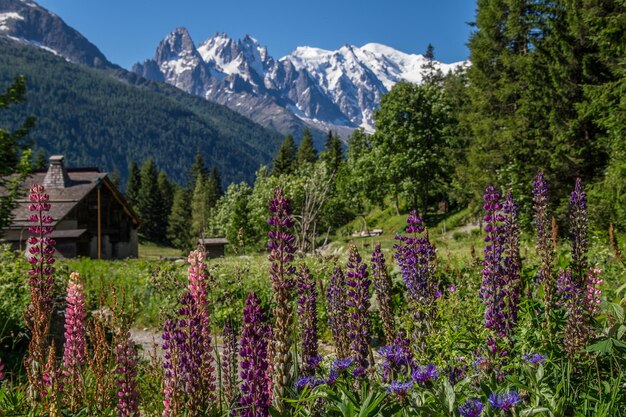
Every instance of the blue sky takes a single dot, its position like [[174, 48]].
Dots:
[[127, 31]]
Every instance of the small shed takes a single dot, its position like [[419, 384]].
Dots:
[[214, 246]]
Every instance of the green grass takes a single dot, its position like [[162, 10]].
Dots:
[[148, 250]]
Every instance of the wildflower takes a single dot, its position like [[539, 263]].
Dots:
[[282, 248], [471, 408], [457, 372], [534, 358], [40, 256], [504, 402], [399, 389], [308, 381], [307, 317], [398, 358], [337, 312], [126, 369], [75, 340], [592, 296], [382, 286], [579, 239], [341, 364], [255, 397], [416, 257], [358, 302], [229, 362], [544, 245], [425, 374], [572, 300]]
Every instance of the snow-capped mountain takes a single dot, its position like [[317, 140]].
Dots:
[[326, 89], [26, 21]]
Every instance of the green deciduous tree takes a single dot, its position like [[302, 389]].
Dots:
[[14, 155]]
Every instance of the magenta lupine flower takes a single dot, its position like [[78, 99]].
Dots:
[[358, 302], [593, 293], [229, 362], [282, 247], [337, 312], [471, 408], [579, 239], [40, 256], [307, 318], [382, 286], [572, 301], [545, 248], [126, 369], [255, 397], [75, 338]]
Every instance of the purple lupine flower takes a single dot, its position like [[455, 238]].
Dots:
[[255, 397], [382, 286], [504, 402], [545, 248], [358, 303], [75, 339], [400, 389], [126, 370], [229, 362], [173, 342], [40, 257], [416, 257], [572, 299], [282, 247], [592, 296], [425, 374], [471, 408], [307, 318], [512, 262], [337, 312], [579, 239], [534, 358]]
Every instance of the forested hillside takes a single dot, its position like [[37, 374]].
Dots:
[[110, 118]]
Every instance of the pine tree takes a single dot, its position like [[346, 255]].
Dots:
[[333, 152], [166, 195], [429, 71], [306, 151], [199, 210], [149, 204], [133, 184], [179, 220], [216, 180], [284, 163], [198, 169]]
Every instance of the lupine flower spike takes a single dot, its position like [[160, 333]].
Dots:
[[126, 370], [382, 286], [75, 341], [307, 318], [416, 257], [229, 363], [573, 302], [282, 248], [358, 302], [255, 398], [37, 315], [544, 244], [337, 311], [579, 239]]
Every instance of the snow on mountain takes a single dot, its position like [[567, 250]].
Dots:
[[6, 17], [339, 88]]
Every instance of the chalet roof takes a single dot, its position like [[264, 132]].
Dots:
[[213, 241], [72, 189]]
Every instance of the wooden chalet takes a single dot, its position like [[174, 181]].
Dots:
[[90, 216]]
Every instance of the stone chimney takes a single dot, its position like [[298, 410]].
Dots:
[[56, 177]]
